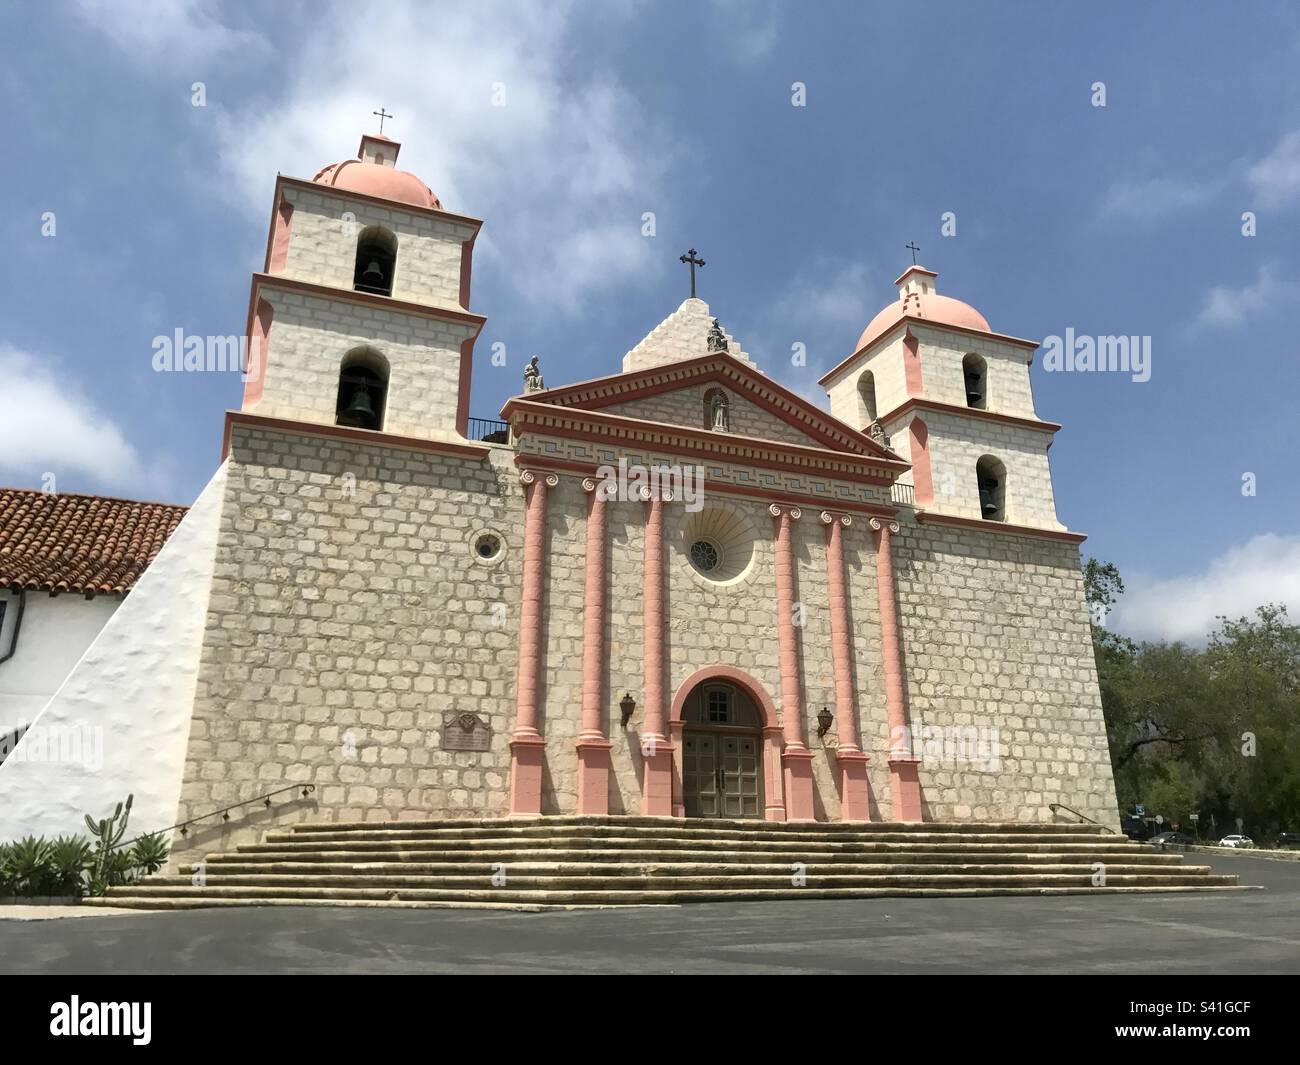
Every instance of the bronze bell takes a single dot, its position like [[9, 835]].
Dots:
[[373, 276], [988, 502], [973, 393], [359, 412]]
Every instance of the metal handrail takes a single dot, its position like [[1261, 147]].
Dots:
[[265, 799], [1054, 806]]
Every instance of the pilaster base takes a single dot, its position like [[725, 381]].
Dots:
[[905, 788], [657, 779], [797, 764], [593, 776], [527, 753], [855, 790]]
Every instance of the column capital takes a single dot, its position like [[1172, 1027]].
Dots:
[[778, 510], [529, 476], [877, 524], [831, 517], [649, 495]]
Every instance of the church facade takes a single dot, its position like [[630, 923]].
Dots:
[[679, 589]]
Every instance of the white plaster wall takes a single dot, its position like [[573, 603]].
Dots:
[[55, 633], [128, 700]]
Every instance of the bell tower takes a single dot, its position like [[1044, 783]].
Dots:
[[360, 317], [954, 398]]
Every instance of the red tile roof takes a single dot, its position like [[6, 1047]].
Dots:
[[74, 543]]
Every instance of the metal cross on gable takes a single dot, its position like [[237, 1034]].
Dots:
[[693, 262]]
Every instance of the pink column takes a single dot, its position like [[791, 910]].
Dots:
[[526, 743], [904, 784], [593, 745], [796, 759], [855, 792], [656, 750]]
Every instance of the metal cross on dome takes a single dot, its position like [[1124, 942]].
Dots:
[[913, 249], [382, 115], [693, 262]]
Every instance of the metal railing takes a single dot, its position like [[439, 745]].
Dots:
[[903, 494], [1054, 806], [224, 812], [489, 430]]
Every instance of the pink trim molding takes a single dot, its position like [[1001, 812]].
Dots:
[[855, 789], [922, 478], [656, 750], [592, 743], [526, 743], [904, 784], [796, 759], [912, 364]]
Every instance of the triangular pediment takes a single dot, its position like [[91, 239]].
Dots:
[[680, 393]]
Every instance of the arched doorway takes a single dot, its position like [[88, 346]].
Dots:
[[722, 752]]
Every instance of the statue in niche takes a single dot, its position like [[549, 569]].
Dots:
[[533, 377], [717, 339], [718, 413], [877, 433]]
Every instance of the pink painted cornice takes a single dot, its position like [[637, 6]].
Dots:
[[278, 282], [787, 406], [909, 320], [925, 517], [917, 403], [527, 415], [284, 181]]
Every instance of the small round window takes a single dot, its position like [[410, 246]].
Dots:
[[705, 556], [487, 546]]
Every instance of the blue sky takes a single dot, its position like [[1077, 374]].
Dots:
[[1117, 220]]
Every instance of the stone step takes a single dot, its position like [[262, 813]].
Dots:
[[677, 834], [257, 895], [668, 866], [809, 846], [642, 880], [701, 823]]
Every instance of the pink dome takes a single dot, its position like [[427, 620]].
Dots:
[[942, 310], [372, 179]]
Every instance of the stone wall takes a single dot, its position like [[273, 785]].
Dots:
[[310, 335], [348, 614], [323, 245], [996, 637]]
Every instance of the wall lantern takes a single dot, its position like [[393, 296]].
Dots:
[[627, 705], [824, 723]]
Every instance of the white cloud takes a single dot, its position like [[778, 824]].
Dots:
[[749, 29], [1156, 197], [1264, 570], [1276, 177], [562, 172], [51, 427], [1227, 308], [175, 32]]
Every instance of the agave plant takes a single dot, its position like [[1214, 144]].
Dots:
[[30, 858], [149, 854], [70, 858], [8, 875]]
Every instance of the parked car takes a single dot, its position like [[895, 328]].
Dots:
[[1135, 828], [1176, 839], [1236, 841], [1288, 839]]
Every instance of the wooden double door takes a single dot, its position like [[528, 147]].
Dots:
[[722, 772]]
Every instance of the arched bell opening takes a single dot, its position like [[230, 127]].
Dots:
[[376, 261], [363, 390], [976, 374], [992, 477]]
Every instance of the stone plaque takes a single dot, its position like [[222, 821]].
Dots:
[[463, 731]]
